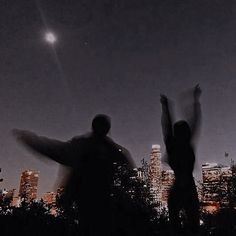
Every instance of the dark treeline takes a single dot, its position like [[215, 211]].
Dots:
[[133, 212], [34, 219]]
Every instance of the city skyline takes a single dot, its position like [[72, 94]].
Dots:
[[158, 172], [214, 191]]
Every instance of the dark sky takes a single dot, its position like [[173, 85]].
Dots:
[[113, 57]]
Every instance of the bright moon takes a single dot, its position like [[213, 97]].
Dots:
[[50, 37]]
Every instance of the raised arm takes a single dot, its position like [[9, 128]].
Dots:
[[195, 120], [166, 120], [56, 150]]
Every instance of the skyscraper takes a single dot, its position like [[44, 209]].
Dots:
[[167, 180], [28, 185], [155, 172], [215, 185]]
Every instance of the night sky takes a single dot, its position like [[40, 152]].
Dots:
[[113, 57]]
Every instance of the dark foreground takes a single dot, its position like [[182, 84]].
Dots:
[[36, 222]]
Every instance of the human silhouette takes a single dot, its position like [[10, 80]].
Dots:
[[91, 158], [179, 141]]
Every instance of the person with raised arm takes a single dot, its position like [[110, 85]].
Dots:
[[179, 140], [91, 158]]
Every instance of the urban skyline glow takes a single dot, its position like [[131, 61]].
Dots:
[[159, 179]]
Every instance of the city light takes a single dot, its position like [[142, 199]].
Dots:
[[213, 190]]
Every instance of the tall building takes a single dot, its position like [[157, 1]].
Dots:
[[167, 180], [29, 185], [143, 171], [155, 173], [215, 185], [226, 176], [210, 183]]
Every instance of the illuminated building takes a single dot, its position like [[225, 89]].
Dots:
[[28, 185], [9, 194], [6, 196], [226, 175], [199, 189], [140, 173], [143, 172], [155, 173], [49, 198], [215, 186], [167, 180], [15, 201]]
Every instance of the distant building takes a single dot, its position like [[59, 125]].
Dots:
[[6, 196], [215, 186], [15, 201], [49, 198], [199, 190], [9, 194], [167, 180], [29, 185], [143, 172], [226, 176], [140, 173], [155, 173]]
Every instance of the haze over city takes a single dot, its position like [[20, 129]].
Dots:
[[113, 57]]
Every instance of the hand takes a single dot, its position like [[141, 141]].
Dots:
[[163, 99], [22, 135], [197, 92]]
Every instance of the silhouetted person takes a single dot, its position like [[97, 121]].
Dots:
[[91, 158], [181, 158]]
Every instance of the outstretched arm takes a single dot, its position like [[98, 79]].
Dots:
[[54, 149], [195, 120], [166, 120]]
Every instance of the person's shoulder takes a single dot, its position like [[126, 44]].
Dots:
[[121, 154], [81, 139], [110, 142], [122, 150]]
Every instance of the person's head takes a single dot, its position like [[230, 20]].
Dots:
[[101, 125], [182, 131]]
